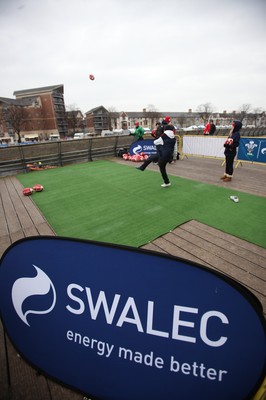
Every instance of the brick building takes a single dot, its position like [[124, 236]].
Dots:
[[42, 112], [97, 119]]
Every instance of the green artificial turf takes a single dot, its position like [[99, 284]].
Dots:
[[114, 203]]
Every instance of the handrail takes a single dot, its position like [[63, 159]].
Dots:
[[15, 159]]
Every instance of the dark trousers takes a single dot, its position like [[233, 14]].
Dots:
[[162, 165], [150, 159], [229, 163]]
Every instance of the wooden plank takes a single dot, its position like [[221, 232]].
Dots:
[[25, 381], [14, 226], [235, 255], [3, 366], [210, 258], [248, 249], [58, 391], [23, 216], [40, 223], [3, 221], [5, 242], [174, 248]]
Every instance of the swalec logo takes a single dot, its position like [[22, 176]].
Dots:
[[23, 288], [137, 149]]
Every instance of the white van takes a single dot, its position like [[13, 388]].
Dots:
[[54, 136], [79, 135]]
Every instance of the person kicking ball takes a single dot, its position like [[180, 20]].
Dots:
[[166, 144]]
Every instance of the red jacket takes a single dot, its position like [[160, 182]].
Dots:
[[207, 129]]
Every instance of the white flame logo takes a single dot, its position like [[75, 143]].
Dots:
[[137, 149], [26, 287]]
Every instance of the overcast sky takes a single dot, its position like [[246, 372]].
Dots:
[[171, 54]]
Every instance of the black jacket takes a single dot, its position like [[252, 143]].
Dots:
[[230, 149]]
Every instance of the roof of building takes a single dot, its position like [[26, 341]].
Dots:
[[18, 102], [8, 101], [151, 114], [95, 109], [39, 90]]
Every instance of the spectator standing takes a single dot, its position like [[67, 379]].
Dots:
[[230, 145], [139, 132], [207, 129], [166, 143], [212, 127], [167, 121]]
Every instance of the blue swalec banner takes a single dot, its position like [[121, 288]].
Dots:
[[120, 323], [142, 146], [252, 149]]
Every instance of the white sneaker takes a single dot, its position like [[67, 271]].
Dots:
[[166, 184], [234, 198]]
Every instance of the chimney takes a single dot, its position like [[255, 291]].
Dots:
[[224, 112], [190, 110], [144, 110]]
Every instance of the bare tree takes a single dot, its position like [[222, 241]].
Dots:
[[2, 122], [205, 110], [72, 116], [152, 113], [257, 113], [243, 111], [112, 109], [112, 114], [151, 108], [15, 116], [181, 120]]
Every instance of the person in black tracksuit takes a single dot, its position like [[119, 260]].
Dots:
[[230, 145], [166, 143], [153, 157]]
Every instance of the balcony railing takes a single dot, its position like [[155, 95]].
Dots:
[[15, 159]]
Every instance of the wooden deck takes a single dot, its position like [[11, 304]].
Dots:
[[194, 241]]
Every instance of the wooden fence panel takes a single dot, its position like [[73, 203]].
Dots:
[[15, 159]]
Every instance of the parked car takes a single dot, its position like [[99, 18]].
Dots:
[[54, 136], [147, 131], [81, 135]]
